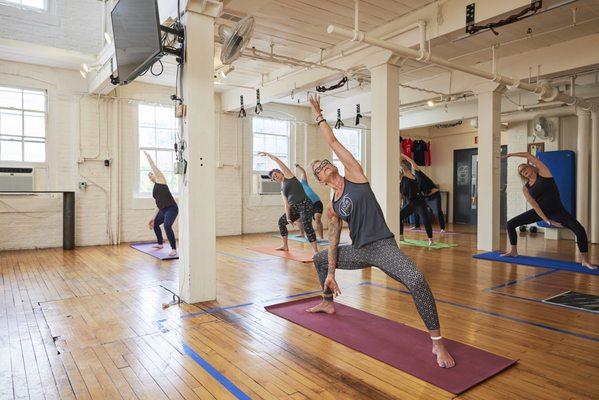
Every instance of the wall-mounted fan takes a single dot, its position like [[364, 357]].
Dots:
[[235, 39], [543, 128]]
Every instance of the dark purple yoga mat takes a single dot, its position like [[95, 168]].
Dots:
[[396, 344], [161, 254]]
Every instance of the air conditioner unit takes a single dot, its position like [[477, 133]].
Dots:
[[16, 179], [266, 186]]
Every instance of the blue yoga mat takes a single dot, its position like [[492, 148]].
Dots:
[[537, 262]]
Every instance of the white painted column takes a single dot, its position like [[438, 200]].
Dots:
[[582, 167], [489, 148], [595, 177], [384, 146], [197, 221]]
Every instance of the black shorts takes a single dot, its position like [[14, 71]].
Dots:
[[318, 207]]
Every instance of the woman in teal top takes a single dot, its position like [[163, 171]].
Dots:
[[316, 203]]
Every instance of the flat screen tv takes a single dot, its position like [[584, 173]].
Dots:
[[137, 37]]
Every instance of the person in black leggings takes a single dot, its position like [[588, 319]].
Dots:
[[373, 244], [431, 194], [167, 208], [415, 201], [542, 194], [298, 205]]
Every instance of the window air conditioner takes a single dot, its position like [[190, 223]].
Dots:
[[266, 186], [16, 179]]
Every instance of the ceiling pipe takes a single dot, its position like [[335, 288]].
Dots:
[[521, 116], [543, 90]]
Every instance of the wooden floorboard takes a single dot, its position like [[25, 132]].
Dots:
[[89, 324]]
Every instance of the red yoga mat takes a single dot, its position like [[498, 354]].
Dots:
[[396, 344], [296, 255]]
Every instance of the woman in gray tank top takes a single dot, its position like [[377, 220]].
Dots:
[[373, 243], [298, 205]]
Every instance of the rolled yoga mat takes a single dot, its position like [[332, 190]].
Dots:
[[161, 254], [424, 243], [537, 262], [396, 344], [295, 255]]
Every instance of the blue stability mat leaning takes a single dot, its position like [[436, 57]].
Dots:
[[537, 262]]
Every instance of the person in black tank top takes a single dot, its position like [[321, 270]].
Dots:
[[373, 244], [542, 194], [415, 203], [430, 192], [167, 208], [298, 205]]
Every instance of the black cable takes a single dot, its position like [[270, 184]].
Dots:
[[533, 8], [323, 89], [161, 68]]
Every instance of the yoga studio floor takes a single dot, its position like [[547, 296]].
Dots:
[[89, 323]]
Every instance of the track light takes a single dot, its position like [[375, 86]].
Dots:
[[107, 38], [430, 103], [83, 74], [85, 67]]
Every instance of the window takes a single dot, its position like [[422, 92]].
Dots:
[[36, 4], [272, 136], [157, 135], [351, 139], [22, 125]]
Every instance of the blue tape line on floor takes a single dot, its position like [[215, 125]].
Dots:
[[230, 386], [496, 314], [515, 281]]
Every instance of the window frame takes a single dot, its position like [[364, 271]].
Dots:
[[361, 142], [139, 149], [19, 5], [288, 155], [23, 111]]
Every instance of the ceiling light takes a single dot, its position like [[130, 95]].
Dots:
[[83, 74], [430, 103], [85, 67], [107, 38]]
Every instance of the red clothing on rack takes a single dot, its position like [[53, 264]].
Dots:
[[407, 147], [428, 154]]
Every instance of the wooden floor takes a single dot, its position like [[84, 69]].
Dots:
[[89, 324]]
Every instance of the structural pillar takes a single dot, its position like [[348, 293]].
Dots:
[[197, 221], [595, 177], [582, 167], [489, 150], [384, 145]]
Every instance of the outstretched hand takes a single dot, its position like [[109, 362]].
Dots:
[[315, 104], [331, 284], [264, 154]]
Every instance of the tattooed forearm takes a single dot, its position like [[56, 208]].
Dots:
[[334, 235]]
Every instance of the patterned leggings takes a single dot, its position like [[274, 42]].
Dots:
[[385, 255], [303, 211]]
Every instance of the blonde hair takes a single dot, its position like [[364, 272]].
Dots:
[[522, 177]]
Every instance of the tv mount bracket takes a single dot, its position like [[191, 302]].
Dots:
[[180, 34]]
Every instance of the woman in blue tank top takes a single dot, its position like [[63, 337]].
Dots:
[[373, 244]]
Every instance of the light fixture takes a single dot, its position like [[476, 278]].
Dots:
[[224, 72], [430, 103], [107, 38], [83, 74], [85, 67]]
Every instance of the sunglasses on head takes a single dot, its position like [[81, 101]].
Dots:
[[321, 166]]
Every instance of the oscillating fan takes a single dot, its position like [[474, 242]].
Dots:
[[543, 128], [235, 39]]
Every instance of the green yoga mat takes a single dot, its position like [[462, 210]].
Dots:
[[424, 243]]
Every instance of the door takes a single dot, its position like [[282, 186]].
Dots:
[[465, 186], [465, 163]]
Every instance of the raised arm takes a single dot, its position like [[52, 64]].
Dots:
[[157, 173], [303, 176], [543, 169], [286, 171], [412, 162], [353, 169]]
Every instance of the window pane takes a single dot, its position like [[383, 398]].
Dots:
[[164, 117], [11, 122], [282, 145], [11, 150], [143, 161], [164, 161], [165, 138], [173, 182], [35, 151], [258, 143], [10, 98], [147, 137], [269, 125], [35, 124], [146, 115], [257, 124], [33, 100], [39, 4], [270, 144], [145, 184]]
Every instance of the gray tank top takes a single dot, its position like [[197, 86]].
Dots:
[[293, 190], [360, 209]]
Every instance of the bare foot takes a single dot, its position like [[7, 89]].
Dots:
[[327, 307], [414, 228], [511, 253], [442, 230], [157, 246], [282, 248], [172, 253], [444, 359], [430, 242], [588, 265]]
